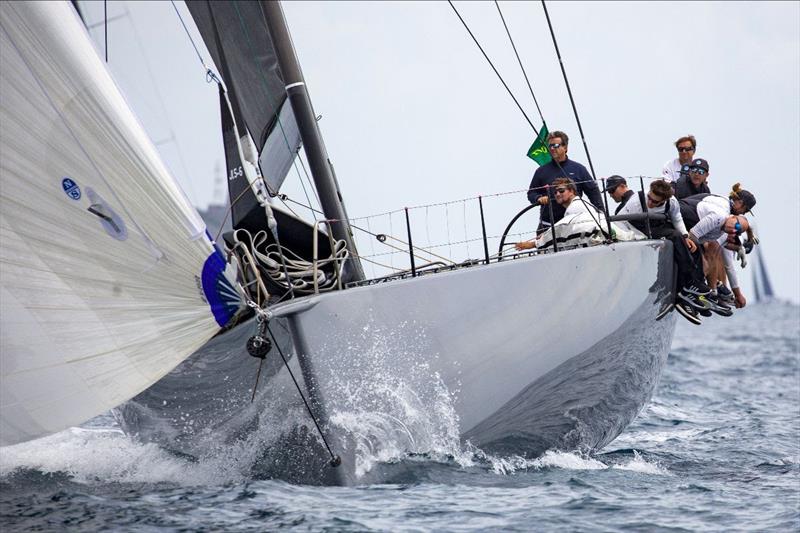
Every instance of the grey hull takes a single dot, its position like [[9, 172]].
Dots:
[[551, 351]]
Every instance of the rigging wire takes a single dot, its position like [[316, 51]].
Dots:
[[569, 91], [160, 99], [311, 185], [577, 118], [519, 61], [196, 51], [511, 94], [335, 459]]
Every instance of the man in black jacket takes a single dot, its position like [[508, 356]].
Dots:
[[693, 180], [560, 167]]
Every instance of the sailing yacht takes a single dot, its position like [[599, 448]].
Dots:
[[114, 295]]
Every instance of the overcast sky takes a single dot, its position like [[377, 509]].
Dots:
[[413, 114]]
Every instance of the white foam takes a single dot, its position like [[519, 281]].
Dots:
[[550, 459], [656, 437], [568, 461], [107, 455], [392, 403], [641, 465]]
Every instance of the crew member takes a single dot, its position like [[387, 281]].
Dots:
[[712, 218], [686, 147], [688, 262], [693, 180], [561, 166], [617, 187], [565, 193]]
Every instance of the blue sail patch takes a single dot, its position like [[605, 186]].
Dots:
[[71, 188], [222, 298]]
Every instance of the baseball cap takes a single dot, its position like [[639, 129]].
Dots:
[[700, 163], [612, 182], [748, 199]]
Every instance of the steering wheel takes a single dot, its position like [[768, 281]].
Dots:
[[508, 228]]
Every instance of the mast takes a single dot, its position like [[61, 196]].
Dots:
[[327, 187]]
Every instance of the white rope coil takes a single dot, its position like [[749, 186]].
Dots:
[[279, 262]]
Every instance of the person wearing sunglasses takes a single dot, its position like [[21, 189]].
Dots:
[[693, 180], [660, 200], [712, 218], [566, 196], [686, 147], [541, 191]]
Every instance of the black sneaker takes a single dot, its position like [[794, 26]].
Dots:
[[698, 302], [697, 290], [715, 299], [688, 312], [724, 294], [717, 306], [666, 307]]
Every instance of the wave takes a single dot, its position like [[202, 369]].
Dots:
[[643, 466], [106, 455]]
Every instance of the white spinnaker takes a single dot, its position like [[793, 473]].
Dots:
[[94, 308]]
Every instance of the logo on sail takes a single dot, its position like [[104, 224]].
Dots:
[[71, 188]]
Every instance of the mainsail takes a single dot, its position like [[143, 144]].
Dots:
[[238, 40], [108, 279]]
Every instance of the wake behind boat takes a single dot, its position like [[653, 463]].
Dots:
[[531, 358]]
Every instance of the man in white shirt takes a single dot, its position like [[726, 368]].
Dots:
[[566, 195], [672, 169], [658, 200]]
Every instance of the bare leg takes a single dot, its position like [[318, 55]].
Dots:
[[713, 264]]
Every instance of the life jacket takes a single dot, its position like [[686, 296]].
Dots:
[[689, 209]]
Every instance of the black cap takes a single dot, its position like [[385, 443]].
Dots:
[[685, 169], [747, 199], [700, 163], [612, 182]]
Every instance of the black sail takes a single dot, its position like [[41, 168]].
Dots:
[[242, 198], [238, 40]]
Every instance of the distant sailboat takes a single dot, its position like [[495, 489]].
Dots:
[[762, 286]]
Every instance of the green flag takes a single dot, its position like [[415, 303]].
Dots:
[[538, 150]]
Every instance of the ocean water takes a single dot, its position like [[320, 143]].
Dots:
[[718, 448]]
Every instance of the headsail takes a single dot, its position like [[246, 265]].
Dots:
[[108, 278], [239, 42]]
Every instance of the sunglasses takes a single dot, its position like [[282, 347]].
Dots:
[[554, 146], [561, 190], [656, 203], [684, 149], [698, 171]]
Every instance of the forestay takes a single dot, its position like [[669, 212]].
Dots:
[[108, 278]]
